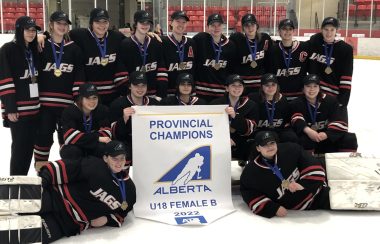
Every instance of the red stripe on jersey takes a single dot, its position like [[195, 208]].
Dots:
[[210, 94], [106, 82], [121, 73], [250, 77], [8, 92], [329, 85], [41, 148], [304, 200], [6, 80], [344, 77], [162, 79], [28, 113], [320, 178], [55, 105], [76, 138], [209, 84], [261, 206], [252, 85], [55, 94], [35, 102], [345, 87], [51, 171], [255, 200], [106, 92], [68, 132], [162, 69], [310, 168]]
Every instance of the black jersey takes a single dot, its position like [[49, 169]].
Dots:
[[178, 58], [261, 189], [85, 190], [132, 59], [250, 74], [290, 66], [329, 117], [101, 75], [175, 100], [211, 70], [16, 82], [59, 91], [84, 131], [338, 82]]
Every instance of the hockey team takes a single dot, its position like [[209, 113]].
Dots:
[[282, 96]]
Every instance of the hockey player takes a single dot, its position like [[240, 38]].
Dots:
[[215, 59], [288, 60], [89, 193], [242, 114], [121, 109], [332, 61], [282, 177], [252, 52], [179, 50], [184, 88], [274, 109], [19, 92], [319, 122], [85, 125], [61, 74], [142, 53]]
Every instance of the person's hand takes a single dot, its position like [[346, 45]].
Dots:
[[312, 134], [294, 186], [13, 117], [98, 222], [233, 144], [322, 136], [154, 35], [231, 112], [281, 212], [41, 41], [104, 139], [127, 112], [39, 164]]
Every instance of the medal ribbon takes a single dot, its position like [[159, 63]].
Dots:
[[180, 48], [329, 54], [29, 59], [313, 112], [287, 56], [57, 59], [143, 48], [235, 107], [217, 51], [274, 169], [270, 113], [253, 52], [102, 49], [121, 183], [87, 124]]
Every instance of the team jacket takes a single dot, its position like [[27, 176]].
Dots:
[[59, 92], [156, 71], [174, 100], [15, 81], [338, 83], [290, 80], [120, 130], [172, 60], [329, 118], [209, 81], [281, 117], [245, 121], [74, 126], [262, 190], [101, 76], [85, 190], [251, 75]]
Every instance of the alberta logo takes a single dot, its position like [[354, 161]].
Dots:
[[194, 166]]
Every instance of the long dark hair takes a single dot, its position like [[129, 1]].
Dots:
[[276, 96], [20, 41]]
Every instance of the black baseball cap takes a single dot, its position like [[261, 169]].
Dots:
[[234, 78], [138, 77], [179, 15], [115, 148], [26, 22], [185, 77], [268, 77], [213, 18], [142, 16], [286, 22], [88, 90], [311, 78], [248, 18], [262, 138], [58, 16], [330, 21], [98, 14]]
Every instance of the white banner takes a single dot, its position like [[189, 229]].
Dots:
[[182, 163]]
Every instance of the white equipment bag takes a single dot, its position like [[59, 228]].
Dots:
[[20, 229], [354, 180], [20, 194]]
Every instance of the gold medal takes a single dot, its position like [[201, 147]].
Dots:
[[182, 65], [57, 72], [216, 66], [33, 79], [314, 127], [143, 69], [328, 70], [124, 205], [285, 184], [253, 64], [104, 61]]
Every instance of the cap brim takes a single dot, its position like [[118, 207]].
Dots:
[[215, 21], [100, 18], [181, 17], [60, 19], [90, 94], [117, 153], [145, 20], [250, 22], [266, 141], [35, 26]]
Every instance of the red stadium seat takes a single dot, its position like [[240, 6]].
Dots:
[[9, 10], [199, 13], [40, 10], [193, 18], [8, 16], [32, 10], [21, 10]]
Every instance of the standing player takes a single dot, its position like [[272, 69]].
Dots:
[[19, 92], [61, 74], [288, 60], [179, 50], [252, 52], [332, 61], [142, 53], [215, 59]]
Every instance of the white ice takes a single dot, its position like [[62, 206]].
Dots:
[[244, 227]]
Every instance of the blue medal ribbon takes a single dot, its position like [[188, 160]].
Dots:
[[274, 169], [57, 59], [180, 48], [313, 111], [253, 52], [235, 107], [270, 112], [328, 53], [30, 60], [217, 49], [102, 49], [143, 48], [287, 56], [121, 184], [87, 124]]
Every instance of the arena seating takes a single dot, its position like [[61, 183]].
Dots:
[[14, 10]]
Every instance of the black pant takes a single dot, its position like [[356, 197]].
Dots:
[[346, 143], [23, 136], [50, 120]]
